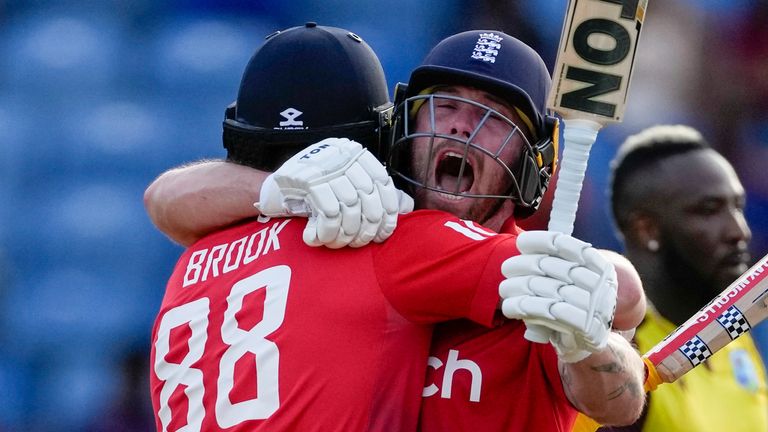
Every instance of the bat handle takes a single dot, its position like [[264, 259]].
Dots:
[[578, 137], [652, 378]]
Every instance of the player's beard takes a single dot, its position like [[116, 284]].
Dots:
[[482, 176], [479, 210], [697, 287], [475, 209]]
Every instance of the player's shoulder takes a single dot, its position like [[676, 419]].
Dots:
[[440, 225]]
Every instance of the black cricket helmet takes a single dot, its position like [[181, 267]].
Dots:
[[503, 66], [303, 85]]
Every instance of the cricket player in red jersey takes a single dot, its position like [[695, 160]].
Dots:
[[470, 254], [257, 331], [472, 370]]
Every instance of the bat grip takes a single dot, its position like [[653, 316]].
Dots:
[[578, 136]]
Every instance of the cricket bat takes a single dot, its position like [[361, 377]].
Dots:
[[590, 84], [734, 312]]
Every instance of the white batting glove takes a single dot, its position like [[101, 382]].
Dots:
[[343, 189], [564, 284]]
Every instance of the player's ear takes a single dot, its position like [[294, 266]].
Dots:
[[643, 230]]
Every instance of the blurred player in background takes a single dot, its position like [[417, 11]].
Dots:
[[679, 208], [459, 145]]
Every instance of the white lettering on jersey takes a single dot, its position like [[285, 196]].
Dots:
[[227, 257], [194, 315], [265, 354], [194, 267], [470, 229], [453, 365], [214, 259], [235, 247]]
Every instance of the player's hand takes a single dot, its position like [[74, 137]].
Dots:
[[343, 189], [564, 284]]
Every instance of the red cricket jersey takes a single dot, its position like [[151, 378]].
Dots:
[[492, 379], [258, 331]]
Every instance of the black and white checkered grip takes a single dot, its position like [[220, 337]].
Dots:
[[734, 322], [695, 350]]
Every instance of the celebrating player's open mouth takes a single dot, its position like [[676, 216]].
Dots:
[[453, 173]]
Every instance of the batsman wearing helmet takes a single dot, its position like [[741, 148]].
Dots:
[[470, 138], [444, 160]]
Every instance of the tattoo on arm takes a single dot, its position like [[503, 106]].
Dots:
[[567, 379], [618, 366], [615, 365]]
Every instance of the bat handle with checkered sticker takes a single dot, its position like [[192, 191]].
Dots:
[[734, 312]]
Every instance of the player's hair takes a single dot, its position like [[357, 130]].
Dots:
[[635, 160], [499, 64], [303, 85]]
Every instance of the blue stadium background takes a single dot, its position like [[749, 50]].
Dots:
[[99, 97]]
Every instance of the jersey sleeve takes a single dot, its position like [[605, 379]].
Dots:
[[436, 267]]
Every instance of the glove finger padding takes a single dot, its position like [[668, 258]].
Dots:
[[391, 197], [372, 209], [373, 167], [372, 213], [328, 228], [552, 243], [521, 265], [540, 264], [335, 232], [534, 310], [323, 199], [524, 285], [524, 307], [359, 178], [395, 202], [386, 228], [558, 244], [350, 219], [563, 284], [569, 273], [344, 190], [404, 202], [310, 232], [567, 304]]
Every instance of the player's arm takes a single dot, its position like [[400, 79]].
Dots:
[[630, 309], [607, 386], [578, 384], [630, 298], [188, 202]]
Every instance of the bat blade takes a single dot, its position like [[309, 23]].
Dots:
[[595, 59], [741, 306]]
